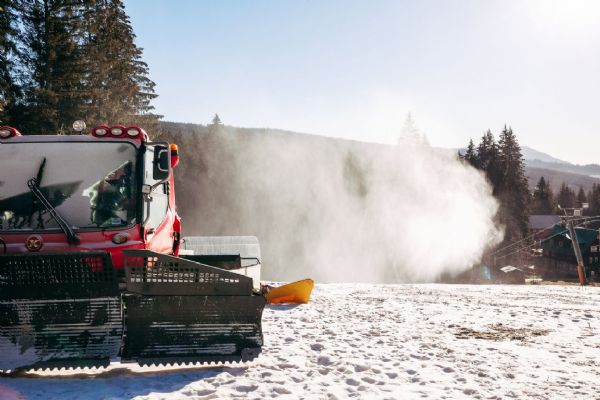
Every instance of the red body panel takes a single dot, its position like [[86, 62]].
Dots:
[[163, 238], [90, 240]]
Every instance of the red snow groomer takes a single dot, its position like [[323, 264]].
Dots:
[[90, 270]]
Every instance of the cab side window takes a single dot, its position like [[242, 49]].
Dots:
[[160, 195]]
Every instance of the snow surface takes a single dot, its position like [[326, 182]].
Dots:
[[386, 341]]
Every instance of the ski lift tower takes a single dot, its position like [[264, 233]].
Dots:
[[572, 214]]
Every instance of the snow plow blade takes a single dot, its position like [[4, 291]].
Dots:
[[295, 292], [58, 309], [64, 310], [183, 311]]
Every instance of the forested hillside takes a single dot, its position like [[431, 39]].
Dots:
[[556, 171], [557, 178]]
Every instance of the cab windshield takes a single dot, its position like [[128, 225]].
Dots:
[[91, 185]]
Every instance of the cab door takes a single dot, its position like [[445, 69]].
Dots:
[[157, 227]]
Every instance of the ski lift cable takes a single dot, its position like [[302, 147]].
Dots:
[[548, 238], [585, 220], [521, 240], [528, 246], [531, 245]]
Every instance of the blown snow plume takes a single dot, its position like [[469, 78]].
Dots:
[[337, 210]]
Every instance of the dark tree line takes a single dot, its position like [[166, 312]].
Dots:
[[502, 163], [593, 199], [63, 60], [544, 201]]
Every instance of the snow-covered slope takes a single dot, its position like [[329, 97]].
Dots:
[[533, 154], [387, 341]]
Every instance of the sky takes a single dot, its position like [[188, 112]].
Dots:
[[355, 69]]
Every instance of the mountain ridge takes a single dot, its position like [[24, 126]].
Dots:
[[530, 153], [537, 163]]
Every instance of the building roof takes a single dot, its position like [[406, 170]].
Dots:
[[586, 238], [542, 221]]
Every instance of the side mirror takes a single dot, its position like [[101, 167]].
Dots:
[[162, 163]]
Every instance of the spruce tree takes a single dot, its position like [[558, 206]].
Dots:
[[471, 154], [566, 196], [594, 200], [486, 149], [54, 67], [488, 160], [116, 85], [410, 135], [513, 191], [581, 197], [216, 127], [8, 52], [543, 198]]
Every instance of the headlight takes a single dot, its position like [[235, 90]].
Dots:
[[78, 126], [133, 131], [100, 131], [116, 131]]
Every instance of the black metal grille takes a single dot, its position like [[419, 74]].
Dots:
[[152, 273], [187, 327], [57, 275]]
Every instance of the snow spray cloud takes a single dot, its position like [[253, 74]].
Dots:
[[343, 211]]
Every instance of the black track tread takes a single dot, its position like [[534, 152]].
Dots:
[[203, 360], [59, 365], [101, 365]]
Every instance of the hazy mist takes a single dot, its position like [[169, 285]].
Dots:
[[337, 210]]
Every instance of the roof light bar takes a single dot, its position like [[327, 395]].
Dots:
[[119, 131]]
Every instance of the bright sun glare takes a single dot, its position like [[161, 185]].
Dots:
[[570, 15]]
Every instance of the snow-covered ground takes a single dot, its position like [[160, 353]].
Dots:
[[387, 341]]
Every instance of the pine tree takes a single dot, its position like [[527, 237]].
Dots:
[[410, 134], [488, 160], [8, 52], [116, 85], [566, 196], [486, 149], [79, 61], [581, 197], [216, 127], [471, 154], [594, 200], [54, 66], [513, 191], [543, 198]]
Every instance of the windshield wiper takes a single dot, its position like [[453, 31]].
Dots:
[[34, 185]]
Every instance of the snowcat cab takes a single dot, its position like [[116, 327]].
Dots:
[[89, 259]]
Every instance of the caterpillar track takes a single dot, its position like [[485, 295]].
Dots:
[[71, 310]]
